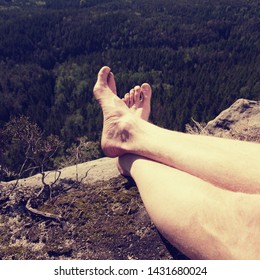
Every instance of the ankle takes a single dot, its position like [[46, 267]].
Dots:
[[120, 135]]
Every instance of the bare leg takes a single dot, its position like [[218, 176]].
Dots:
[[201, 220], [229, 164]]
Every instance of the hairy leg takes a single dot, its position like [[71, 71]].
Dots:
[[201, 220], [229, 164]]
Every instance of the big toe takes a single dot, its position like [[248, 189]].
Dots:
[[102, 78], [146, 90], [111, 82]]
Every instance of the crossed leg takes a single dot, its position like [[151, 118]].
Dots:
[[196, 216], [201, 220], [229, 164]]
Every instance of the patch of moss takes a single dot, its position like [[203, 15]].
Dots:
[[12, 253], [100, 221]]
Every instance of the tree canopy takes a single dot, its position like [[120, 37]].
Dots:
[[198, 56]]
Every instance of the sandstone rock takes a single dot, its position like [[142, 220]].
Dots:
[[103, 216], [241, 120], [88, 172]]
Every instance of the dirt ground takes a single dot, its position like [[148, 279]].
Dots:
[[100, 220]]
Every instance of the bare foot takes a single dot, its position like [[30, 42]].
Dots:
[[119, 122], [139, 101]]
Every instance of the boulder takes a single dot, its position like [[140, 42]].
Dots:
[[241, 121]]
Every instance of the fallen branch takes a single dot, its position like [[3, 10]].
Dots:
[[42, 213], [42, 195]]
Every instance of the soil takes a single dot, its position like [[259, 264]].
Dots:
[[104, 220]]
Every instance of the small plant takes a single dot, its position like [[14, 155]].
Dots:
[[82, 151], [24, 149], [197, 128]]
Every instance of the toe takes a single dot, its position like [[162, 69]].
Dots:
[[111, 82], [147, 90], [127, 99], [137, 93], [132, 93], [103, 76]]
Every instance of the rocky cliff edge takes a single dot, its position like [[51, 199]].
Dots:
[[92, 212]]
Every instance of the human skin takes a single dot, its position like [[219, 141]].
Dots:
[[138, 101], [200, 219], [230, 164], [195, 188]]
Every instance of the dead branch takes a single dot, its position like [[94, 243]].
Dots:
[[42, 193], [86, 174], [42, 213], [44, 175]]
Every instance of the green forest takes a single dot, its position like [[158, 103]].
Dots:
[[198, 55]]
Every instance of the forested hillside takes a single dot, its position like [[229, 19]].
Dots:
[[198, 55]]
